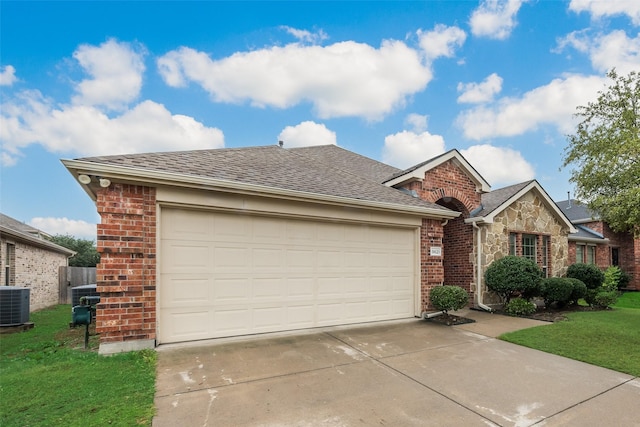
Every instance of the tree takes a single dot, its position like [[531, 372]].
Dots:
[[86, 253], [605, 151]]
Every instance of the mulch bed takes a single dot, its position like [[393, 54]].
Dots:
[[554, 314], [450, 320]]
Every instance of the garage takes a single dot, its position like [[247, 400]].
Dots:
[[224, 274]]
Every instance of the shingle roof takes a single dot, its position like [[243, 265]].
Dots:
[[496, 198], [349, 161], [272, 166], [16, 225], [576, 211], [29, 234], [586, 233]]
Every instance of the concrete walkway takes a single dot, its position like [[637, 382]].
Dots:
[[411, 373]]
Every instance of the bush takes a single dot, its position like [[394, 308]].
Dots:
[[520, 307], [589, 274], [604, 299], [556, 289], [513, 276], [612, 276], [445, 298], [625, 278], [579, 290]]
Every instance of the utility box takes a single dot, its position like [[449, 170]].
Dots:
[[81, 315]]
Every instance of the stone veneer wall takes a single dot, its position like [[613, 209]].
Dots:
[[527, 215], [35, 268], [126, 275]]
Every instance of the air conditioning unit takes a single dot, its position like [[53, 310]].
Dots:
[[78, 292], [14, 305]]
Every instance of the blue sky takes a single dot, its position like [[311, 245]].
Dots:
[[398, 81]]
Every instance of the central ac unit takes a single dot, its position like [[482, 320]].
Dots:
[[14, 305]]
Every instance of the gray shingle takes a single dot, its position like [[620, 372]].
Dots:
[[274, 167], [576, 210], [496, 198]]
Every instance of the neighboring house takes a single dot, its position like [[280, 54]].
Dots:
[[217, 243], [28, 259], [595, 242]]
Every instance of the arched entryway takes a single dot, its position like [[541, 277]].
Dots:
[[457, 246]]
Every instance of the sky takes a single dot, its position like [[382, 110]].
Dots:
[[399, 82]]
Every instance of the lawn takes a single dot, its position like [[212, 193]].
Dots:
[[48, 378], [608, 338]]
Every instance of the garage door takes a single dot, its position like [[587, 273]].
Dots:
[[228, 274]]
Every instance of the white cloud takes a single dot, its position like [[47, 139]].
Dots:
[[85, 130], [8, 76], [613, 50], [342, 79], [553, 104], [115, 71], [477, 93], [306, 134], [495, 19], [498, 165], [406, 148], [417, 122], [601, 8], [306, 36], [76, 228], [84, 126], [441, 41]]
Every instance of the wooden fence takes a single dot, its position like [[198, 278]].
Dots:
[[68, 277]]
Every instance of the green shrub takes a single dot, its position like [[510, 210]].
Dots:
[[579, 290], [612, 276], [445, 298], [520, 307], [625, 278], [513, 276], [588, 273], [556, 290], [604, 299]]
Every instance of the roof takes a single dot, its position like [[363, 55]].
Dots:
[[23, 232], [349, 161], [418, 171], [577, 211], [265, 169], [498, 200]]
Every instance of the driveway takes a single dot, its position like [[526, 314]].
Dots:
[[396, 374]]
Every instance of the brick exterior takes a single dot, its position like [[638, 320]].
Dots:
[[431, 267], [448, 186], [628, 251], [35, 268], [126, 275]]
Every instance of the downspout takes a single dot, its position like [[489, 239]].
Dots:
[[479, 302]]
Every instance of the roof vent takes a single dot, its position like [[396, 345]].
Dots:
[[280, 143]]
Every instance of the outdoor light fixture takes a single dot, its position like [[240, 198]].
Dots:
[[104, 182], [84, 179]]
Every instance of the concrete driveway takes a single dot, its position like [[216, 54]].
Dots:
[[396, 374]]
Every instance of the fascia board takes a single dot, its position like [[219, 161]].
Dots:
[[418, 174], [587, 239], [137, 175], [533, 185], [34, 241]]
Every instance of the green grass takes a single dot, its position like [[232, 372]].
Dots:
[[48, 378], [609, 338]]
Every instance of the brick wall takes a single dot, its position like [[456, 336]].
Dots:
[[35, 268], [126, 275], [448, 186], [431, 267]]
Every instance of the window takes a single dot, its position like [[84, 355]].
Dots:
[[532, 246], [9, 265], [615, 256], [586, 254], [512, 243], [545, 255], [529, 247]]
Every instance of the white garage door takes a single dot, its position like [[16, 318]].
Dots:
[[227, 274]]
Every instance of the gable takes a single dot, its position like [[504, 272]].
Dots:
[[418, 172]]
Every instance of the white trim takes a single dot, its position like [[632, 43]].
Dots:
[[488, 219], [418, 173]]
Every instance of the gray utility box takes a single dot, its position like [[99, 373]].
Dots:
[[14, 305]]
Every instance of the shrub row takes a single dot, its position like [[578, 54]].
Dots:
[[512, 277]]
